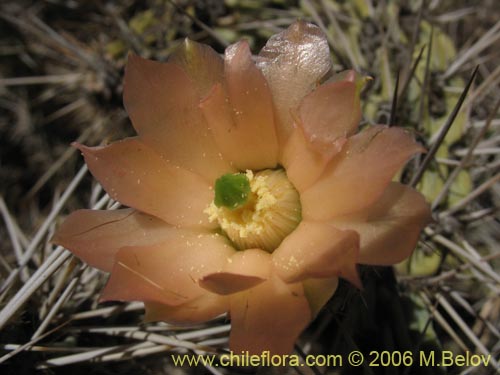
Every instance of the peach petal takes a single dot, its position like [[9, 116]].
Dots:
[[241, 117], [206, 307], [168, 272], [162, 103], [96, 236], [324, 120], [244, 270], [359, 174], [329, 113], [317, 250], [303, 163], [389, 229], [202, 64], [136, 176], [293, 62], [319, 292], [270, 316]]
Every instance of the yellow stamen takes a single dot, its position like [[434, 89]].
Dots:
[[271, 212]]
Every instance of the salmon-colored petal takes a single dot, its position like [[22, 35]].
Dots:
[[324, 120], [319, 291], [168, 272], [135, 175], [317, 250], [293, 62], [243, 270], [241, 117], [329, 113], [206, 307], [303, 163], [163, 103], [270, 316], [359, 174], [95, 236], [203, 65], [389, 230]]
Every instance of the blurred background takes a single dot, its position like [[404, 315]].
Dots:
[[61, 68]]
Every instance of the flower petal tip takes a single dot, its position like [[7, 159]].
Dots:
[[84, 149], [76, 145]]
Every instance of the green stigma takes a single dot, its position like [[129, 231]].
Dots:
[[232, 190]]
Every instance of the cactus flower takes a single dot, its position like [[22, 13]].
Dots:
[[250, 189]]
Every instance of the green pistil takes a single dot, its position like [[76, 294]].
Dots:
[[232, 190]]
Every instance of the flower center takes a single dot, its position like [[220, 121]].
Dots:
[[256, 210]]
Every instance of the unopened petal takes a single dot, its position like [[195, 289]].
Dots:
[[204, 308], [359, 174], [240, 114], [163, 104], [135, 175], [244, 270], [168, 272], [96, 236], [389, 229], [270, 317], [318, 250], [293, 62]]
